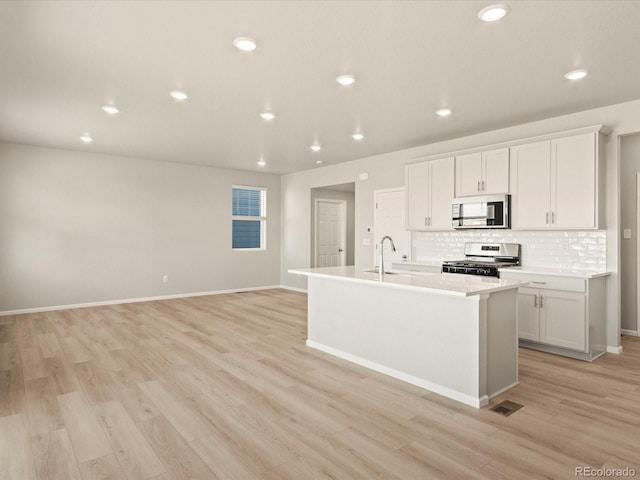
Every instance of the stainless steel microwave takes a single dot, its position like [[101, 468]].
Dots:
[[487, 211]]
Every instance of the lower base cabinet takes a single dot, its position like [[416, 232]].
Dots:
[[552, 317], [563, 320], [563, 315]]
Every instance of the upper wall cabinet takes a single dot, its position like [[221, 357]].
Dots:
[[482, 173], [555, 183], [430, 189]]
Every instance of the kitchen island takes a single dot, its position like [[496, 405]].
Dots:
[[455, 335]]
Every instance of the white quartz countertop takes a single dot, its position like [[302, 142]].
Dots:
[[440, 283], [559, 272]]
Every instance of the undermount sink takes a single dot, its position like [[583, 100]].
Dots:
[[406, 273], [386, 272]]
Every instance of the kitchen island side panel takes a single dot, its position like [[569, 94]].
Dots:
[[435, 338], [502, 342]]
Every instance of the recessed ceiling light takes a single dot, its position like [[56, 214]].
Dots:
[[319, 162], [267, 116], [86, 138], [316, 148], [357, 136], [245, 44], [261, 163], [576, 74], [493, 12], [179, 95], [111, 109], [443, 112], [346, 80]]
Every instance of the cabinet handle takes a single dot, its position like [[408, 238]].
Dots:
[[541, 304], [547, 221], [429, 221], [553, 217], [483, 187], [535, 301], [539, 283], [478, 185]]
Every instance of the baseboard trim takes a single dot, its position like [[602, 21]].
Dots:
[[502, 390], [614, 350], [427, 385], [134, 300], [294, 289], [633, 333]]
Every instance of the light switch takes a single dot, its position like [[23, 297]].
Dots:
[[364, 176], [626, 233], [366, 242]]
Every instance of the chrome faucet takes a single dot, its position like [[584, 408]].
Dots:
[[393, 248]]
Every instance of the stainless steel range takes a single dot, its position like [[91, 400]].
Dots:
[[484, 259]]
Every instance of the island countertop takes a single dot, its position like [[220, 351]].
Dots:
[[440, 283]]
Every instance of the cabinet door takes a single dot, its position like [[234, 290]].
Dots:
[[441, 185], [417, 183], [530, 167], [573, 173], [468, 174], [528, 315], [495, 175], [563, 319]]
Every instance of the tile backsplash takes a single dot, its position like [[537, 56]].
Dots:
[[582, 250]]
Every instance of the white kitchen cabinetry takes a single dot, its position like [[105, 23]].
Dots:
[[530, 185], [555, 183], [563, 320], [528, 314], [482, 173], [563, 315], [430, 189], [552, 317]]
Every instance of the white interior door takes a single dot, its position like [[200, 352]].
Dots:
[[388, 220], [331, 227]]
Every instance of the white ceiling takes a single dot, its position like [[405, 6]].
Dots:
[[61, 61]]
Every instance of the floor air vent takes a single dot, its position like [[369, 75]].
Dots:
[[506, 408]]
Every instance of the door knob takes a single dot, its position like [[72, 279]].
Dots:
[[340, 250]]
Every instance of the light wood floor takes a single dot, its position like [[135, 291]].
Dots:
[[224, 387]]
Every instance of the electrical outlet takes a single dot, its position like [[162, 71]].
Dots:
[[165, 278], [626, 233]]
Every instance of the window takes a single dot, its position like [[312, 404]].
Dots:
[[249, 218]]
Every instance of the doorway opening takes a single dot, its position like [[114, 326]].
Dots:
[[333, 225], [629, 240]]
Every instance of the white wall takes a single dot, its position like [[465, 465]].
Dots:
[[629, 167], [79, 227], [387, 171]]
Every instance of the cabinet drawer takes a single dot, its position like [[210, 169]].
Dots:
[[551, 282]]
